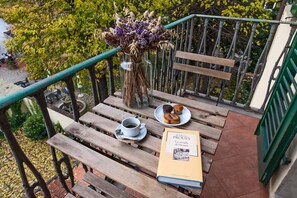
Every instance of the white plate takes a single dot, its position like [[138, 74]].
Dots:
[[140, 136], [184, 117]]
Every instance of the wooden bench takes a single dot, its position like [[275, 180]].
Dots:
[[221, 74], [97, 187], [69, 196], [147, 186]]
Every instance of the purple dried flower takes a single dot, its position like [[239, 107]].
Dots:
[[142, 43], [144, 34], [139, 30], [119, 31]]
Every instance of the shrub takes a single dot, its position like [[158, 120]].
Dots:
[[18, 117], [16, 121], [34, 127], [59, 128], [1, 135]]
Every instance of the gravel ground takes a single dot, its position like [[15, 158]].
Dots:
[[13, 75]]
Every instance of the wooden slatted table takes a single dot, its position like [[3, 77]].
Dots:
[[135, 165]]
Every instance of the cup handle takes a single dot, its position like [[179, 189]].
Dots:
[[142, 125]]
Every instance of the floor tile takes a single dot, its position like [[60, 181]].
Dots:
[[236, 176], [78, 172], [250, 122], [242, 140], [252, 160], [263, 193], [233, 121], [225, 148], [213, 188]]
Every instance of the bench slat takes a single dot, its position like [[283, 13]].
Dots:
[[85, 191], [202, 71], [205, 58], [144, 185], [69, 196], [104, 186]]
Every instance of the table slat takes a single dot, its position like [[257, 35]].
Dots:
[[191, 103], [118, 172], [109, 126], [118, 102], [125, 151], [153, 126], [146, 161], [195, 113], [204, 130], [149, 142]]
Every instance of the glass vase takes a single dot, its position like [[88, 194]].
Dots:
[[136, 80]]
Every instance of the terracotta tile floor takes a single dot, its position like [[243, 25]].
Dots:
[[234, 172]]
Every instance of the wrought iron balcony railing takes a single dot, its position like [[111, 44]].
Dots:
[[247, 41], [233, 38]]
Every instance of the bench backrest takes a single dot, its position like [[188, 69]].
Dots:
[[204, 59]]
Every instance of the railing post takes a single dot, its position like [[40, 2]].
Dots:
[[155, 75], [94, 84], [102, 86], [111, 79], [188, 50], [244, 63], [231, 54], [50, 133], [22, 159], [260, 66], [71, 89], [201, 50]]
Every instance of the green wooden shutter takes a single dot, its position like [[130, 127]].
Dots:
[[278, 125]]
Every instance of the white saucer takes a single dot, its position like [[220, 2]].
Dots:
[[140, 136], [184, 117]]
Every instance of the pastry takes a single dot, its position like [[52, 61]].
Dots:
[[170, 118], [167, 108], [178, 109]]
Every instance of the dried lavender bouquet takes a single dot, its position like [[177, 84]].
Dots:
[[136, 37]]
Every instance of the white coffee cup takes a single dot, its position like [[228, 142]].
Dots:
[[131, 126]]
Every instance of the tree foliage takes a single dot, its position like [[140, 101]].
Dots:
[[53, 35]]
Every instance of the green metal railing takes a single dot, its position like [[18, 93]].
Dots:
[[185, 27], [43, 84], [100, 92], [242, 39], [278, 125], [163, 78]]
